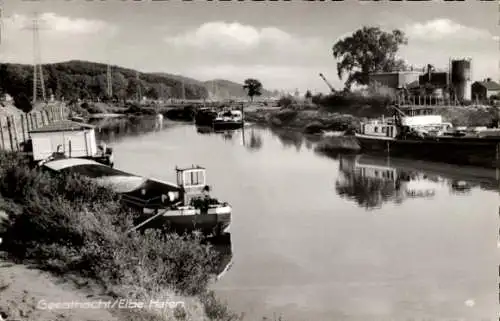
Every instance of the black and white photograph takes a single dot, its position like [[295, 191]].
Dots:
[[210, 160]]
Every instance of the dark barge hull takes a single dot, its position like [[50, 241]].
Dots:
[[483, 152], [208, 224], [227, 125]]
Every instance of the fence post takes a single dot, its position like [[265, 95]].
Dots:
[[27, 123], [44, 120], [48, 117], [9, 128], [22, 128], [1, 134], [16, 134], [31, 121]]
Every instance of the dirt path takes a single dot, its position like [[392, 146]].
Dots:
[[25, 294]]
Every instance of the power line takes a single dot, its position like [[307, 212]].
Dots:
[[38, 81], [139, 95], [109, 81]]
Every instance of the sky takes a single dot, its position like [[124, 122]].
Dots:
[[283, 44]]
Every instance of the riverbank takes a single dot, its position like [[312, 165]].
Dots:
[[316, 120], [65, 241]]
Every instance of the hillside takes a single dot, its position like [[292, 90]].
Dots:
[[88, 80], [226, 89]]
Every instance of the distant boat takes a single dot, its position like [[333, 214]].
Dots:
[[229, 119], [78, 119], [205, 117], [184, 207]]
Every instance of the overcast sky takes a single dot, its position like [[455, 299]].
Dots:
[[284, 44]]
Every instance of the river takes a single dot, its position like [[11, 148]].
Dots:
[[345, 238]]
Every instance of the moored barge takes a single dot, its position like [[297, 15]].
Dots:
[[182, 207], [427, 137]]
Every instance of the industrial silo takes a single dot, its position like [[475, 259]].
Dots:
[[461, 78]]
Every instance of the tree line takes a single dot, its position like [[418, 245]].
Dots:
[[87, 80]]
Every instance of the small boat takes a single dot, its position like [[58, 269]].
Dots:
[[205, 117], [183, 207], [78, 119], [229, 119], [186, 113]]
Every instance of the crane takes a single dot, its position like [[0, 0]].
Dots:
[[327, 83]]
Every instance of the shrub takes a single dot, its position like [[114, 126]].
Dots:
[[93, 108]]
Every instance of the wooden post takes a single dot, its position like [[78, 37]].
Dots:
[[49, 121], [31, 121], [1, 134], [27, 123], [22, 128], [9, 128], [36, 120], [44, 119], [16, 136]]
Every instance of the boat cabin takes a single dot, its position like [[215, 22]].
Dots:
[[379, 129], [233, 115], [73, 139]]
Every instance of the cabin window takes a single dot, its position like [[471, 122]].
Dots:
[[375, 129], [194, 178], [179, 178]]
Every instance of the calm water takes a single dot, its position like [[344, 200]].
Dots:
[[316, 238]]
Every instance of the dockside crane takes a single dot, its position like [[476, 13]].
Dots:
[[327, 83]]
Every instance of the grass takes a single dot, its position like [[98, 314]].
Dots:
[[68, 225]]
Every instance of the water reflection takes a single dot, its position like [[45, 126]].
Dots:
[[116, 129], [255, 141], [250, 138], [371, 181], [223, 247]]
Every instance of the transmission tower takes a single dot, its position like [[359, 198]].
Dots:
[[38, 83], [109, 81], [139, 95], [183, 91], [1, 20]]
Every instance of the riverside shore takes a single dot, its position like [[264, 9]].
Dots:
[[64, 240]]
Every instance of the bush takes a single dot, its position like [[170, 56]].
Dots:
[[372, 104], [93, 108], [285, 101]]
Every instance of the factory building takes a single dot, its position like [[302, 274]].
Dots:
[[394, 80], [484, 90], [456, 81]]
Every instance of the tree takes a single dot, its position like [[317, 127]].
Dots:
[[366, 51], [22, 102], [253, 88], [308, 95]]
